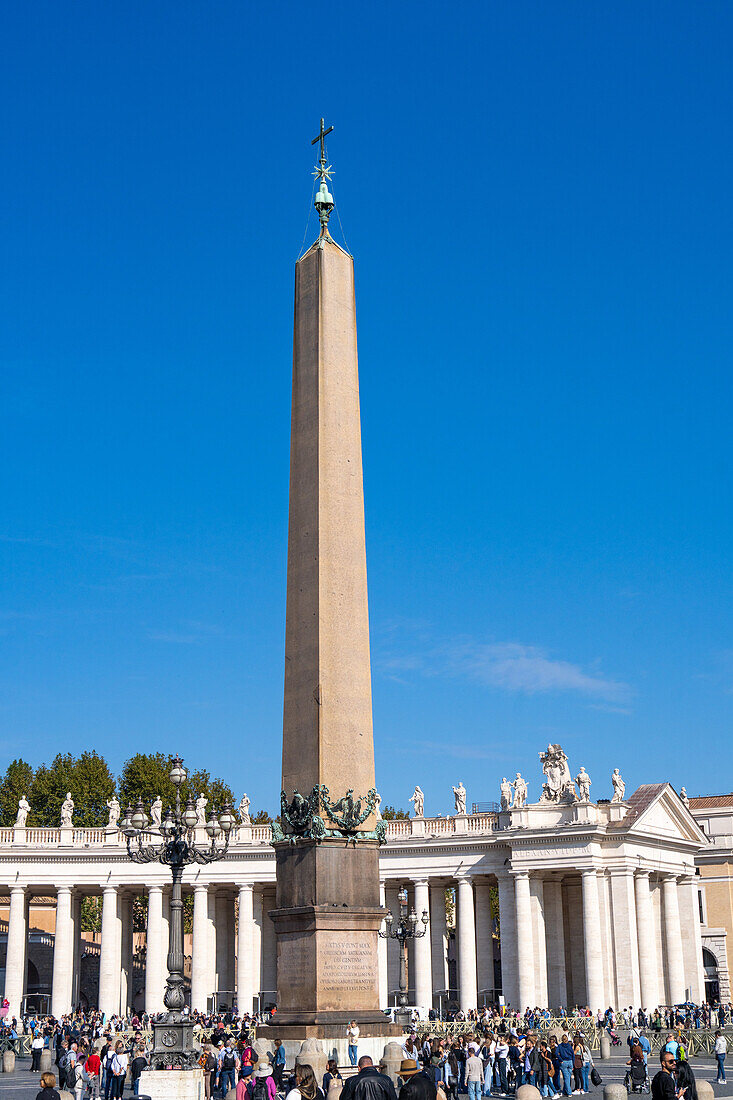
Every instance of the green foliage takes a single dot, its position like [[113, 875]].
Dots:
[[389, 813], [17, 781], [145, 775], [87, 777], [262, 818], [91, 914]]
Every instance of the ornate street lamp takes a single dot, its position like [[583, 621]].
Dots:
[[406, 929], [175, 845]]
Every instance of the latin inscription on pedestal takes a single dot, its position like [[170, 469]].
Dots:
[[347, 965]]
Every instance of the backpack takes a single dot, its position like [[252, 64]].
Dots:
[[228, 1061], [259, 1092]]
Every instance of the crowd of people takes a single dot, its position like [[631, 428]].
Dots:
[[498, 1050]]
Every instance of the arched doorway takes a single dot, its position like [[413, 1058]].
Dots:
[[712, 984]]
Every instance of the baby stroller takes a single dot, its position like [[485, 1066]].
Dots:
[[637, 1078], [613, 1036]]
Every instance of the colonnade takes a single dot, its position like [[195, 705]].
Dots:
[[619, 937]]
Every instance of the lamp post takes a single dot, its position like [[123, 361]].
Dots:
[[175, 845], [406, 929]]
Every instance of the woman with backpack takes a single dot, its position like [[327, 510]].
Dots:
[[260, 1086]]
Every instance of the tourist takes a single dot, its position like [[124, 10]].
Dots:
[[474, 1073], [352, 1033], [331, 1074], [48, 1088], [305, 1086], [227, 1068], [664, 1086], [720, 1050], [566, 1058], [259, 1086], [36, 1048], [686, 1080], [501, 1057], [367, 1084], [138, 1064], [117, 1071], [93, 1066], [418, 1084]]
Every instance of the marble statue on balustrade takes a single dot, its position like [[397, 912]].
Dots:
[[243, 810], [520, 791], [459, 794], [67, 811], [113, 806], [683, 798], [558, 785], [377, 806], [505, 787], [156, 811], [583, 781], [201, 804], [419, 799], [23, 811], [619, 787]]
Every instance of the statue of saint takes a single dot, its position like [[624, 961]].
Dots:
[[619, 787], [201, 804], [23, 811], [683, 798], [558, 786], [114, 812], [378, 806], [459, 793], [584, 781], [520, 791], [67, 810], [244, 810], [156, 811], [506, 793], [419, 799]]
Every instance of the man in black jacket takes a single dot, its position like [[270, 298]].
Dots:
[[664, 1086], [368, 1083]]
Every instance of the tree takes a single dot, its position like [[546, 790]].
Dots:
[[87, 778], [145, 775], [262, 818], [17, 781], [389, 813]]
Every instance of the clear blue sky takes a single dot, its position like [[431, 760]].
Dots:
[[538, 198]]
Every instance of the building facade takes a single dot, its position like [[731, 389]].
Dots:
[[714, 815], [544, 904]]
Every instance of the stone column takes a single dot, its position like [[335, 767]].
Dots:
[[245, 929], [594, 988], [224, 946], [165, 940], [200, 956], [625, 937], [691, 937], [154, 952], [212, 984], [423, 981], [110, 960], [382, 958], [76, 919], [438, 934], [647, 942], [673, 940], [508, 938], [63, 954], [537, 901], [525, 944], [557, 986], [484, 937], [126, 991], [466, 937], [393, 950], [269, 945], [257, 909], [15, 965]]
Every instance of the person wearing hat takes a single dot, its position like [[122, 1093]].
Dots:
[[418, 1084], [260, 1086]]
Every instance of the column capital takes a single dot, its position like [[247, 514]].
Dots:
[[18, 889], [642, 872], [463, 878], [246, 887], [422, 880], [669, 877], [587, 872], [200, 887], [108, 889], [519, 873], [153, 888], [63, 890], [688, 878]]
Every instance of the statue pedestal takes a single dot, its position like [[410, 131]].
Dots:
[[460, 824], [19, 834], [585, 813], [111, 835], [417, 826], [66, 835], [617, 811], [172, 1084]]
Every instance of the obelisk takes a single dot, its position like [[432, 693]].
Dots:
[[327, 844]]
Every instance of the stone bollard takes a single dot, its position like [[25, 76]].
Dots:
[[8, 1061], [528, 1092], [46, 1061], [391, 1061], [263, 1049], [605, 1048], [705, 1089], [311, 1054], [615, 1092]]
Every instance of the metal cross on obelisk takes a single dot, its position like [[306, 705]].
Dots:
[[323, 171]]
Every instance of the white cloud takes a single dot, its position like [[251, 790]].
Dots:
[[530, 670]]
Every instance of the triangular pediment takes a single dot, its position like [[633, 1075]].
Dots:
[[657, 809]]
